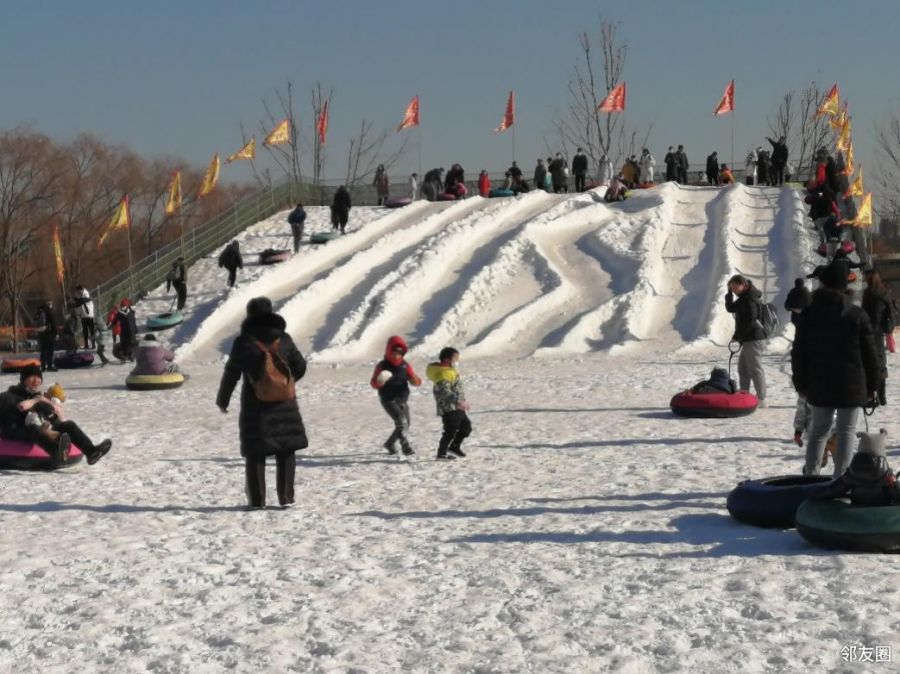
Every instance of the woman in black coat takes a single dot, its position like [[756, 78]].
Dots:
[[266, 428], [876, 302], [834, 366]]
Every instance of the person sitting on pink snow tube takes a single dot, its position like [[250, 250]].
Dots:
[[58, 437], [616, 189]]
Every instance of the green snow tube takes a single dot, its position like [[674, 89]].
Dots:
[[324, 237], [838, 525], [164, 321]]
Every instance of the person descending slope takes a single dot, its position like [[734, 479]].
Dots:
[[391, 379]]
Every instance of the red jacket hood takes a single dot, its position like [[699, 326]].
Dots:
[[392, 343]]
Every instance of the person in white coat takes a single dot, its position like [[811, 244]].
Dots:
[[750, 168], [84, 307], [605, 173], [647, 164], [414, 186]]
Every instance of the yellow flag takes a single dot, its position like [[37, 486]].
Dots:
[[837, 122], [849, 169], [831, 104], [864, 214], [121, 219], [843, 140], [280, 135], [173, 203], [57, 253], [856, 188], [246, 152], [210, 178]]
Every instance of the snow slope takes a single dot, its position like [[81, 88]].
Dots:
[[540, 274]]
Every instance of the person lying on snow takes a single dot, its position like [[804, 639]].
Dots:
[[452, 406], [391, 378], [153, 358], [718, 382], [868, 481], [19, 400]]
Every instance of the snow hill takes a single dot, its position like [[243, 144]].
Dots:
[[541, 274]]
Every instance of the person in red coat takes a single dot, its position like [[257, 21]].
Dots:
[[484, 184]]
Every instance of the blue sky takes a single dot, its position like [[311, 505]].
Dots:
[[178, 77]]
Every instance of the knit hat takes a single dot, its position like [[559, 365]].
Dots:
[[834, 276], [872, 443], [30, 371], [259, 306], [149, 337], [56, 391]]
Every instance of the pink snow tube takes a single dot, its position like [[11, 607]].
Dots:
[[22, 456], [713, 405]]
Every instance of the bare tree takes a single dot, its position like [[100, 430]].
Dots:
[[597, 71], [29, 179], [785, 120], [288, 155], [887, 177], [366, 152]]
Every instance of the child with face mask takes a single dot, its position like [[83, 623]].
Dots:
[[452, 406]]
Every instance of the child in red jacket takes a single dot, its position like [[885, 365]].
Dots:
[[392, 378]]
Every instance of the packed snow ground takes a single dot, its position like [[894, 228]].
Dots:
[[585, 532]]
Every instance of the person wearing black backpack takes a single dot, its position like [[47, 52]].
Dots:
[[749, 332], [270, 422]]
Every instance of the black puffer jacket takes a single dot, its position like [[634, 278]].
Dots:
[[877, 305], [266, 428], [798, 297], [12, 419], [747, 310], [833, 360]]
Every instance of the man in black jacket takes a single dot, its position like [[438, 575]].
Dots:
[[177, 277], [232, 260], [779, 159], [46, 334], [341, 206], [579, 168], [56, 440], [296, 219], [671, 162], [681, 164], [798, 298], [749, 333], [712, 169], [834, 366]]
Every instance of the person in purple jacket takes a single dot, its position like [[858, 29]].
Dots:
[[153, 358]]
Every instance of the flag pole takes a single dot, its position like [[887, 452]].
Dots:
[[513, 142], [732, 139], [419, 148], [130, 266], [181, 220]]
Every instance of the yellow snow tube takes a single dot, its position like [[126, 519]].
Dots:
[[154, 382]]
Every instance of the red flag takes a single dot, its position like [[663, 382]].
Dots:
[[510, 117], [727, 102], [322, 124], [411, 116], [615, 100]]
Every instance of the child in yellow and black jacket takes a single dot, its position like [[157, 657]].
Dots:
[[450, 397]]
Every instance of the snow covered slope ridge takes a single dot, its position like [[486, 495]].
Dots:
[[540, 274]]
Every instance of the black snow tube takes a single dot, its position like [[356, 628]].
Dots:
[[773, 501], [272, 256], [838, 525], [68, 361]]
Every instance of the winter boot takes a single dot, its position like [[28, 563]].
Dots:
[[99, 452], [407, 450], [455, 450], [389, 446], [61, 455], [444, 456]]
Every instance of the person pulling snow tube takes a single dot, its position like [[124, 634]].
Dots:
[[397, 202], [501, 192], [772, 502], [446, 196], [22, 456], [324, 237], [16, 363], [838, 525], [70, 361], [713, 405], [165, 321], [154, 382], [272, 256]]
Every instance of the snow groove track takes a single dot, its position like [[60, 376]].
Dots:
[[538, 274]]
